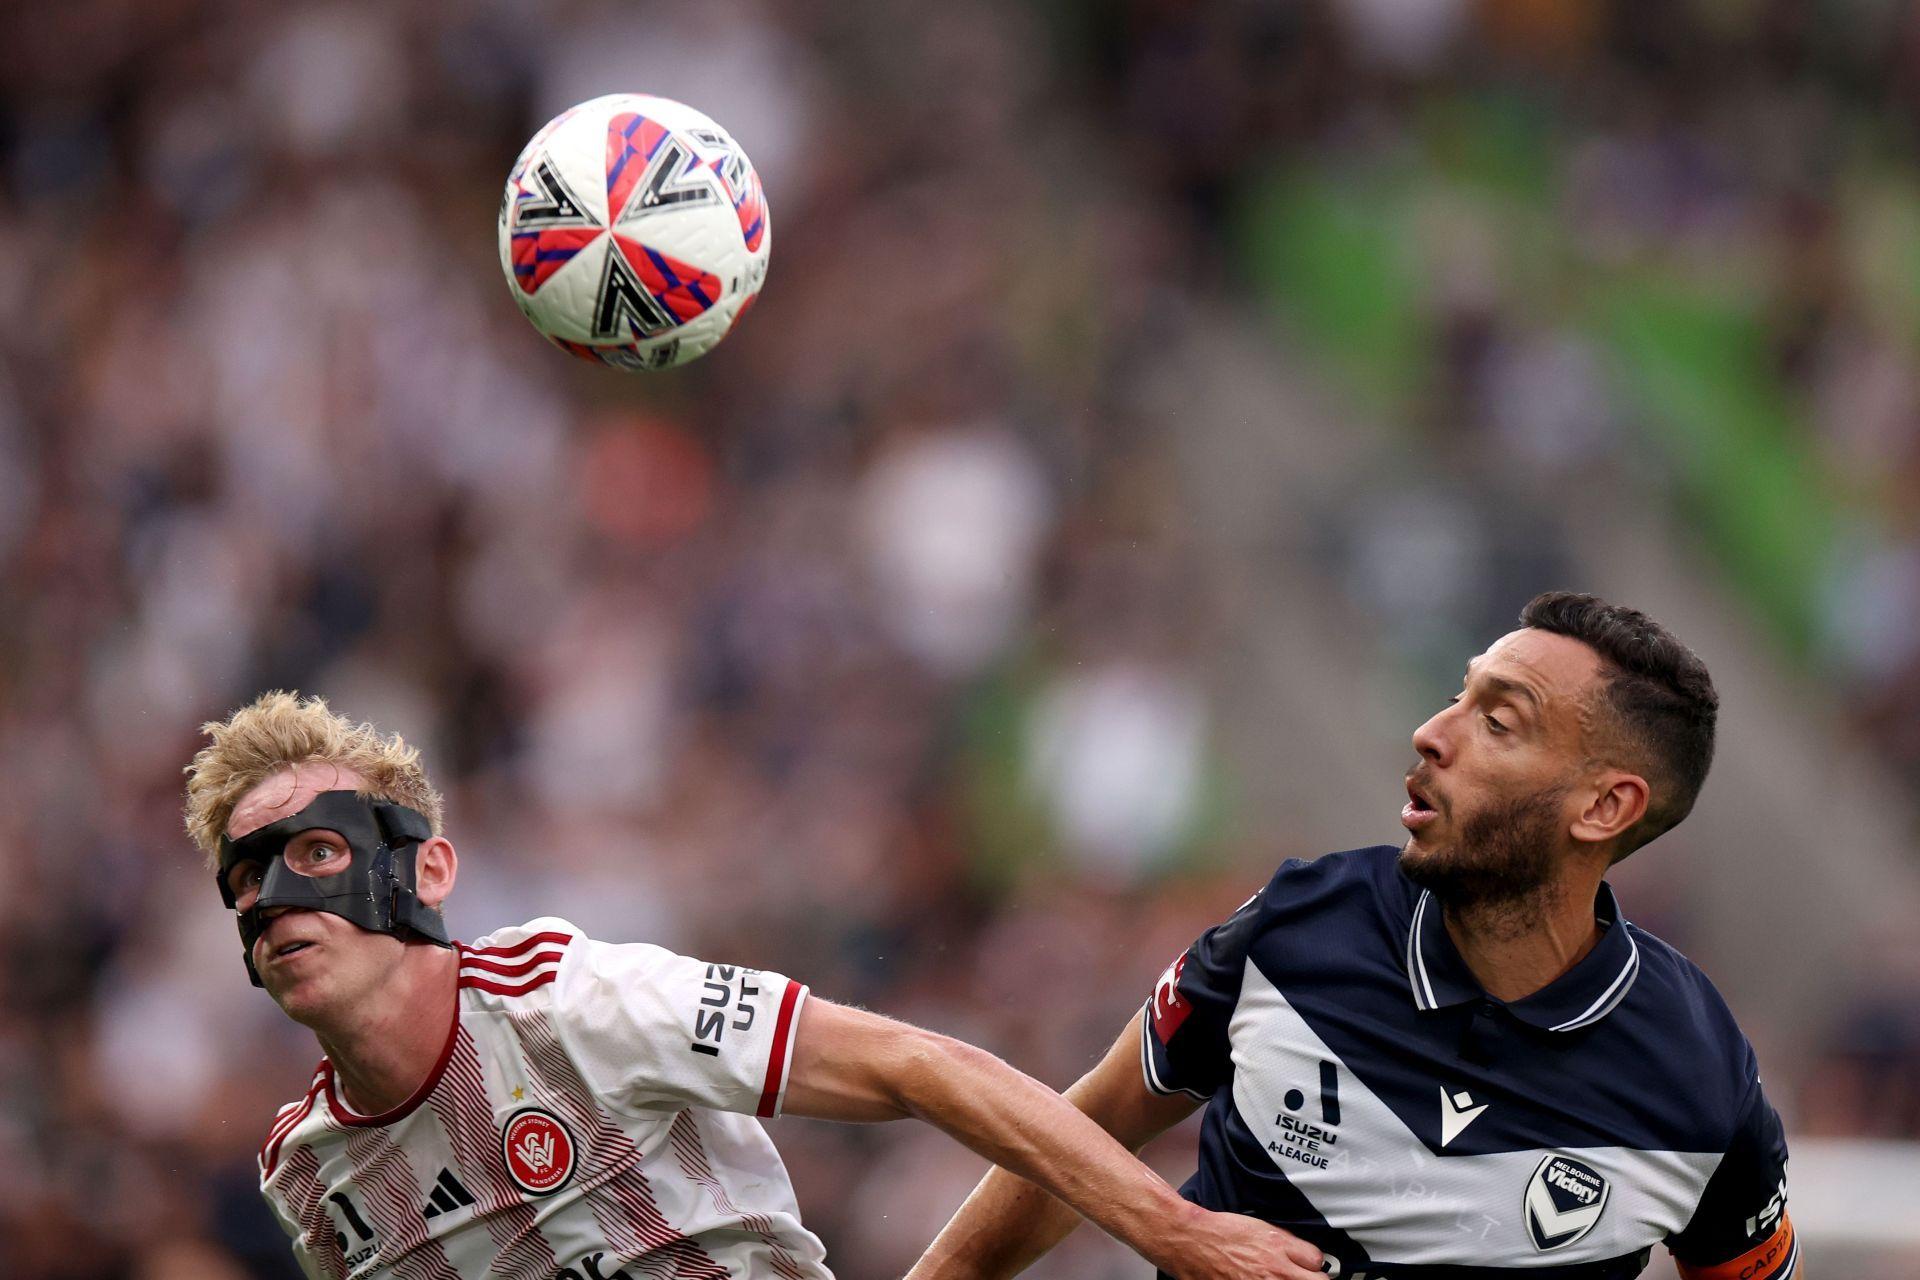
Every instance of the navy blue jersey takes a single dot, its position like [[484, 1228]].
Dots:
[[1366, 1094]]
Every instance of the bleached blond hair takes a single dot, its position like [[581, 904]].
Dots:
[[279, 730]]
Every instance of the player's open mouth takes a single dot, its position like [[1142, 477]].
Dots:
[[290, 949], [1418, 810]]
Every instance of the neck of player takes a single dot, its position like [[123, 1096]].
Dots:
[[1516, 947], [384, 1049]]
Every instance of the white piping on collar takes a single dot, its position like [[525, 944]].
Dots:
[[1616, 990], [1416, 963], [1603, 1004]]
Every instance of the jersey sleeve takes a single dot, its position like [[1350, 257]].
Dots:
[[309, 1265], [655, 1031], [1740, 1229], [1183, 1029]]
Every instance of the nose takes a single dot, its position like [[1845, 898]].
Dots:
[[1432, 741]]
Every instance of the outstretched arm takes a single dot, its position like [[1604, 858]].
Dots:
[[853, 1065], [1008, 1223]]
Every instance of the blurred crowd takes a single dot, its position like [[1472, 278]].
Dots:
[[873, 648]]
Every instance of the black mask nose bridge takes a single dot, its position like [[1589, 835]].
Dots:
[[375, 891]]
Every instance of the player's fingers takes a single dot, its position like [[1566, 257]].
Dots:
[[1298, 1260], [1289, 1268], [1310, 1260], [1267, 1251]]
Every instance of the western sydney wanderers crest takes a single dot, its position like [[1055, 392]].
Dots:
[[539, 1151], [1565, 1198]]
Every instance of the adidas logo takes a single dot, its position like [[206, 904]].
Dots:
[[447, 1196]]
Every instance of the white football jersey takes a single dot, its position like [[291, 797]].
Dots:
[[591, 1117]]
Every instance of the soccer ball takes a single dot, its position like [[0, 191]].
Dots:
[[634, 232]]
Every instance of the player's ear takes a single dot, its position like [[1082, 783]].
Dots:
[[434, 869], [1618, 800]]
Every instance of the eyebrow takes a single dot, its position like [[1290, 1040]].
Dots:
[[1512, 688]]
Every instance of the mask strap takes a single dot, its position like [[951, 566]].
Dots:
[[400, 827]]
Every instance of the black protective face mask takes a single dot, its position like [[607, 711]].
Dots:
[[375, 891]]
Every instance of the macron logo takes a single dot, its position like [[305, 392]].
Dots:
[[1456, 1113]]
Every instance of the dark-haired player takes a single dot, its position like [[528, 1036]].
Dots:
[[1458, 1058]]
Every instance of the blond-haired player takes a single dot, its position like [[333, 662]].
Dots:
[[540, 1104]]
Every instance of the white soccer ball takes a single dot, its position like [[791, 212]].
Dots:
[[634, 232]]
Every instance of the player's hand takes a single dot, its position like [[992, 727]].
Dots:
[[1230, 1246]]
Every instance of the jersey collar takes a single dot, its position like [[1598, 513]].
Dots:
[[1578, 998]]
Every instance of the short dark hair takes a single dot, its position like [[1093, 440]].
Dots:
[[1661, 698]]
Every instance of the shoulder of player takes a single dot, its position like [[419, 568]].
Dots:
[[1685, 993], [519, 959], [1690, 1027], [287, 1121], [1348, 878], [554, 957]]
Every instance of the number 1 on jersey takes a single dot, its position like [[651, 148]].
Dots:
[[353, 1218]]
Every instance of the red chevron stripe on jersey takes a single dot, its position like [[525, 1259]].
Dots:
[[289, 1119], [480, 965], [538, 254], [515, 968], [511, 949], [291, 1114], [631, 141], [503, 989], [685, 291]]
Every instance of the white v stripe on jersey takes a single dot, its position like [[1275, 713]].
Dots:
[[1615, 1107], [1371, 1195]]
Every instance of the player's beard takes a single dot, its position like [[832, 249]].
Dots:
[[1503, 862]]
